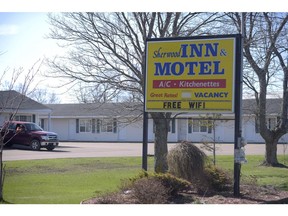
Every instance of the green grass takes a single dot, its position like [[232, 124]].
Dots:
[[69, 181], [275, 176], [65, 181]]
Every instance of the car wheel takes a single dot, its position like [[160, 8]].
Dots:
[[50, 148], [35, 145]]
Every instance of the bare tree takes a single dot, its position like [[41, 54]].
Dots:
[[95, 93], [10, 104], [44, 96], [210, 123], [265, 51], [108, 50]]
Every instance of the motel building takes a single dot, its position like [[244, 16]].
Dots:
[[123, 122]]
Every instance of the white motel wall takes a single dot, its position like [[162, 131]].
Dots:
[[180, 129], [66, 130]]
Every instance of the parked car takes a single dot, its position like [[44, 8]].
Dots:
[[30, 134]]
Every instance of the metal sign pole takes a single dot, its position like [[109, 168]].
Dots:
[[145, 141], [238, 115], [145, 122]]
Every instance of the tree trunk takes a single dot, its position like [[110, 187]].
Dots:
[[271, 153], [160, 143], [271, 140], [1, 177]]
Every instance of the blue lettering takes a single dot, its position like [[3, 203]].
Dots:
[[177, 68], [191, 67], [184, 50], [216, 68], [162, 71], [213, 50], [205, 68], [157, 53], [196, 49], [211, 94]]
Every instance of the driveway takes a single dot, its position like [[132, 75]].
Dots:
[[90, 149]]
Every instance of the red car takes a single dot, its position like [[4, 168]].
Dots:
[[30, 134]]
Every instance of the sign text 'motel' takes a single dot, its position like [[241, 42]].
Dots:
[[195, 75]]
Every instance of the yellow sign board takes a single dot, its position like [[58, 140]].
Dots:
[[190, 75]]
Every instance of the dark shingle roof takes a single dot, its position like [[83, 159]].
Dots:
[[96, 109], [14, 100], [135, 109], [273, 106]]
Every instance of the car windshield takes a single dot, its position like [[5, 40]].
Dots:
[[33, 127]]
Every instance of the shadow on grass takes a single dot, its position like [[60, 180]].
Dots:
[[282, 166], [278, 165]]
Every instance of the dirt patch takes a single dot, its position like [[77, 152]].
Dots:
[[249, 194]]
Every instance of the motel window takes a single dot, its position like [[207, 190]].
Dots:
[[85, 125], [196, 126], [96, 125], [109, 125], [24, 118], [201, 126]]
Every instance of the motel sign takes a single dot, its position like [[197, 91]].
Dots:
[[190, 74]]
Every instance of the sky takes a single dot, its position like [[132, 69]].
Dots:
[[23, 38], [24, 42], [24, 29]]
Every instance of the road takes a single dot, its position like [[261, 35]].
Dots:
[[89, 149]]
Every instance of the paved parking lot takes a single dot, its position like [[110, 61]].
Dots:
[[90, 149]]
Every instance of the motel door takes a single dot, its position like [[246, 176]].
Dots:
[[182, 129]]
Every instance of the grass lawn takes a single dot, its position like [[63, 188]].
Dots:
[[252, 171], [65, 181], [69, 181]]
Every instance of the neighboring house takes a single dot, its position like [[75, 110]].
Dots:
[[122, 122], [15, 106]]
